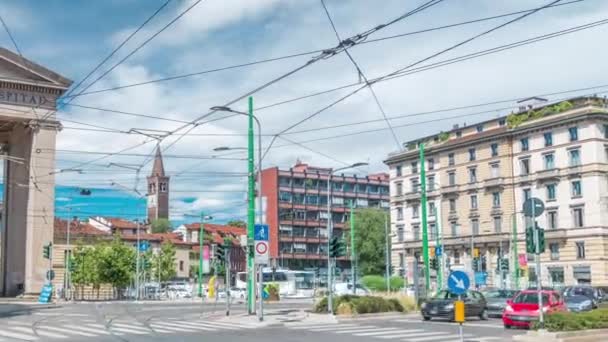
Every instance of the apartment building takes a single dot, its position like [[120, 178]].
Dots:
[[296, 210], [479, 176]]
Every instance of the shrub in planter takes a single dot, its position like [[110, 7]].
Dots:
[[572, 321], [378, 283], [376, 304], [345, 308]]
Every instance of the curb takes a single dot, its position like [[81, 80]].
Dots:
[[391, 315]]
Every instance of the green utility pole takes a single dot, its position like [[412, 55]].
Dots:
[[352, 246], [250, 212], [201, 236], [514, 251], [438, 244], [425, 237]]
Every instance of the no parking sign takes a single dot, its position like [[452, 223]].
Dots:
[[261, 244]]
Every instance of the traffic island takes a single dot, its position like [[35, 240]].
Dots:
[[591, 335]]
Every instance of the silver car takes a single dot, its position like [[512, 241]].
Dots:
[[497, 301]]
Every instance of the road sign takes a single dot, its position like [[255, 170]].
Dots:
[[481, 278], [261, 237], [50, 275], [261, 232], [458, 282], [438, 251], [261, 252], [144, 245], [533, 206], [45, 294]]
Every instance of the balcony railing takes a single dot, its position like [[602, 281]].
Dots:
[[549, 174], [448, 189], [493, 182]]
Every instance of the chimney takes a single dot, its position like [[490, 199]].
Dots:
[[455, 126]]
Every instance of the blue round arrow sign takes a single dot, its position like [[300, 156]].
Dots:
[[458, 282]]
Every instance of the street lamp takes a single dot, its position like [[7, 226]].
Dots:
[[251, 185], [329, 233]]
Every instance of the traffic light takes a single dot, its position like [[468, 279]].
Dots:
[[434, 264], [504, 264], [476, 264], [475, 252], [337, 247], [146, 263], [220, 253], [530, 246], [46, 250], [541, 240]]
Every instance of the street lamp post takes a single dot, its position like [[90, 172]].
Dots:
[[201, 237], [251, 185], [329, 234]]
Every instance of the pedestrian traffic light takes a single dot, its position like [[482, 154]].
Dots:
[[434, 264], [504, 264], [541, 240], [220, 253], [46, 250], [530, 246], [476, 264], [337, 247]]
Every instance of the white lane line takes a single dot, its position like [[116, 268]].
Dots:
[[363, 330], [94, 328], [470, 324], [76, 315], [487, 338], [171, 329], [343, 327], [45, 333], [130, 326], [129, 330], [433, 338], [375, 333], [16, 335], [235, 325], [399, 333], [180, 325], [418, 334], [68, 331], [205, 325]]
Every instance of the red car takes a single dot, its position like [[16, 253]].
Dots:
[[522, 310]]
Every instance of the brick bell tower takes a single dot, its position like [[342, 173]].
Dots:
[[158, 190]]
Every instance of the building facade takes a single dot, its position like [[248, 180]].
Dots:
[[477, 179], [296, 210]]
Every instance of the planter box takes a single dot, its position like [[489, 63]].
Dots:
[[592, 335]]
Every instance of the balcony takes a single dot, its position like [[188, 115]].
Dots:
[[412, 196], [573, 171], [450, 189], [547, 175], [555, 234], [470, 187], [496, 182]]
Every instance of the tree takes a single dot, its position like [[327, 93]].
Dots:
[[163, 263], [161, 225], [370, 240], [116, 263], [237, 223]]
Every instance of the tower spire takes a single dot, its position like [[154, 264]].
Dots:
[[158, 169]]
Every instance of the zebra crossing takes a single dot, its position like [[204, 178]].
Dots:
[[387, 333], [25, 331]]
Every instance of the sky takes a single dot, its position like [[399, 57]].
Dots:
[[72, 37]]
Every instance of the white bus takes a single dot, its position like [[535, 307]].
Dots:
[[304, 283], [286, 287]]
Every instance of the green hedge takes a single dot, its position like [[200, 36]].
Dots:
[[378, 283], [361, 305], [572, 321]]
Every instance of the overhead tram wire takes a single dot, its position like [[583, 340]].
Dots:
[[326, 54], [139, 47], [342, 98], [361, 74], [294, 55], [10, 35]]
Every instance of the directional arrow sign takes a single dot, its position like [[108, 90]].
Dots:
[[458, 282]]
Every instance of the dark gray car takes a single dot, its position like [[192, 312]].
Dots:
[[578, 303], [583, 290], [442, 305], [497, 300]]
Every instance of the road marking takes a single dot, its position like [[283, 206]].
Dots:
[[207, 325], [16, 335], [130, 326], [477, 325], [487, 338], [186, 325], [166, 325], [129, 330], [359, 329], [342, 327], [171, 329], [399, 333], [44, 333], [432, 338], [96, 328], [320, 326], [68, 331], [420, 334], [373, 333]]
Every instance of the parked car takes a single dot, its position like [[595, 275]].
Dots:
[[237, 292], [522, 310], [581, 290], [497, 300], [442, 305], [341, 289], [578, 303]]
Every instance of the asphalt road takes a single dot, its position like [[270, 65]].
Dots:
[[130, 322]]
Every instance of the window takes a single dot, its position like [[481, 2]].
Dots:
[[496, 199], [414, 167], [527, 193], [181, 265], [402, 261], [548, 139], [432, 209], [550, 192], [431, 183], [554, 248], [472, 154], [479, 128], [605, 131], [577, 191], [497, 224], [452, 204], [524, 164], [415, 211], [577, 217], [415, 184], [549, 161], [399, 188], [451, 178], [574, 157], [454, 228], [399, 214], [400, 231], [475, 226], [552, 219], [416, 232], [451, 160], [494, 149], [495, 170], [524, 143], [573, 131], [285, 196], [472, 175], [431, 163], [398, 170], [163, 187], [473, 202], [432, 231], [580, 249], [456, 257]]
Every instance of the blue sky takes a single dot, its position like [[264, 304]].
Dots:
[[71, 37]]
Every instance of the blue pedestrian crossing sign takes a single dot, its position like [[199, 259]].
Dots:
[[458, 282], [45, 294], [438, 251], [260, 232], [144, 246]]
